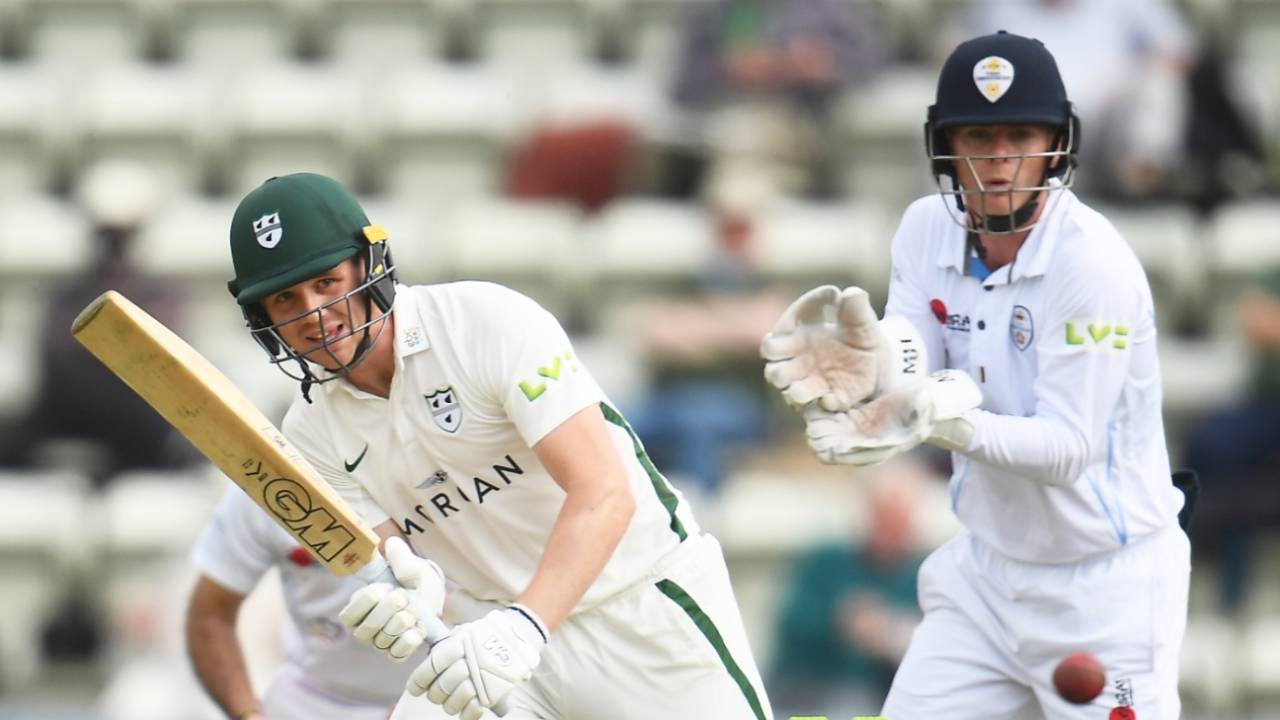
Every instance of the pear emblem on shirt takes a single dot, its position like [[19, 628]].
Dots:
[[445, 409]]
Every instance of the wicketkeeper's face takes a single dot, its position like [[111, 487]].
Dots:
[[318, 316], [1001, 166]]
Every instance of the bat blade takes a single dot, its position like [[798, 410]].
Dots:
[[210, 411]]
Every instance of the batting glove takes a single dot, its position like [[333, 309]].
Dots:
[[844, 361], [479, 662], [390, 618], [930, 410]]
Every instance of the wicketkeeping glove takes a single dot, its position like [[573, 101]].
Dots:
[[479, 662], [389, 617], [842, 361], [929, 410]]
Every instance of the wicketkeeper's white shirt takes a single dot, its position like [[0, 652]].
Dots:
[[482, 374], [240, 544], [1069, 455]]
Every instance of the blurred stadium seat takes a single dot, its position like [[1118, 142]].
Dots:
[[219, 34], [188, 238], [441, 131], [147, 515], [46, 534], [880, 137], [1170, 245], [380, 33], [33, 126], [531, 36], [146, 113], [84, 33], [653, 33], [291, 118], [1245, 239], [808, 244], [648, 241], [41, 237], [530, 246]]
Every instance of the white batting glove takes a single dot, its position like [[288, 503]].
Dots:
[[389, 617], [930, 410], [479, 662]]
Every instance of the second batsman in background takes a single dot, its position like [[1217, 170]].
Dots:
[[1050, 403], [458, 421], [326, 673]]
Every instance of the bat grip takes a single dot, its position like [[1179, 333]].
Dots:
[[377, 570]]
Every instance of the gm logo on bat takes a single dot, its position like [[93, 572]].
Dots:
[[290, 501]]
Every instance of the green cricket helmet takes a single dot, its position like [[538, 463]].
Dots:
[[295, 227]]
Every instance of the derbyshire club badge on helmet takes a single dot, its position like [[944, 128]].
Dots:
[[993, 75]]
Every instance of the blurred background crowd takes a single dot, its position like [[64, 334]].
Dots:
[[664, 175]]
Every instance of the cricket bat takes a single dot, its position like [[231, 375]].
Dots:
[[210, 411]]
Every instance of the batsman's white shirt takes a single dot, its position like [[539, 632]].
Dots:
[[1068, 459], [482, 374], [240, 544]]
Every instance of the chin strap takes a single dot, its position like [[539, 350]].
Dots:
[[1008, 223]]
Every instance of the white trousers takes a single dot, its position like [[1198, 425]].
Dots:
[[673, 646], [995, 628]]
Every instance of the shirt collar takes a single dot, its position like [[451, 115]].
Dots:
[[410, 337], [1034, 255], [411, 331]]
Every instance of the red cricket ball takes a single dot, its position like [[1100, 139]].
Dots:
[[1079, 678]]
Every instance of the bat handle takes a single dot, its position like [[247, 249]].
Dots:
[[434, 627]]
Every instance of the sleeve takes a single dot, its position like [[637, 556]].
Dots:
[[907, 297], [236, 548], [1097, 320], [533, 371], [301, 430]]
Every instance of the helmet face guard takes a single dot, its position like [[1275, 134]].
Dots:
[[969, 206], [376, 290], [1000, 79]]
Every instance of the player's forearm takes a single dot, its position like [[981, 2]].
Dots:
[[584, 536], [219, 664], [1038, 448]]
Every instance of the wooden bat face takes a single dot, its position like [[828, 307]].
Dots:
[[207, 408]]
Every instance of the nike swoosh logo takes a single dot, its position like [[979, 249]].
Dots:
[[351, 466]]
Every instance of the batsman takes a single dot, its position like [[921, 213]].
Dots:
[[1020, 335], [459, 422]]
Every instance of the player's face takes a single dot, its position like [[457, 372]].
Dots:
[[315, 317], [997, 172]]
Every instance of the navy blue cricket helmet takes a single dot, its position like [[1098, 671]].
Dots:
[[1002, 79]]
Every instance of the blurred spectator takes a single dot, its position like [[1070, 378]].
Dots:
[[1237, 452], [848, 610], [708, 398], [1125, 64], [759, 78], [77, 398]]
